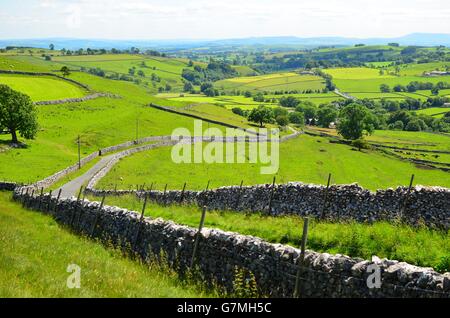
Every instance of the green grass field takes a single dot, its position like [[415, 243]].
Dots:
[[368, 80], [420, 246], [419, 69], [437, 112], [169, 70], [35, 253], [100, 123], [272, 82], [306, 158], [42, 88], [409, 139]]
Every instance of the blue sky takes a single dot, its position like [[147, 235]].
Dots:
[[215, 19]]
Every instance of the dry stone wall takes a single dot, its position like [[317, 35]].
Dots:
[[8, 186], [76, 100], [274, 265], [423, 205], [45, 74]]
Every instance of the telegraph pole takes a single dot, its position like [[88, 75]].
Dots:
[[79, 152], [137, 129]]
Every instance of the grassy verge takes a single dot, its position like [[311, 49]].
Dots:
[[35, 253], [419, 246]]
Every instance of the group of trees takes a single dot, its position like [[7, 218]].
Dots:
[[17, 114], [89, 51], [213, 72], [277, 115], [404, 120], [415, 86], [357, 56], [353, 120]]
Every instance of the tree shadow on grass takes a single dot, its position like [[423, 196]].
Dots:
[[10, 144]]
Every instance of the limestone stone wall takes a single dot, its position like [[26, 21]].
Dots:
[[273, 265], [423, 205]]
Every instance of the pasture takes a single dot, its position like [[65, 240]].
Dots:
[[168, 70], [307, 159], [272, 82], [420, 246], [228, 102], [36, 251], [437, 112], [42, 88], [368, 80], [416, 69], [100, 123]]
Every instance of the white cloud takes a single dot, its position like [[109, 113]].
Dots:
[[219, 19]]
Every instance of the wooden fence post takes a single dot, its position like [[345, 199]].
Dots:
[[405, 200], [182, 193], [271, 196], [30, 198], [25, 197], [75, 209], [325, 199], [297, 292], [21, 195], [197, 237], [41, 196], [164, 195], [140, 221], [49, 201], [94, 224], [57, 200]]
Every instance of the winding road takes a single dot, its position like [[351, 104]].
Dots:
[[71, 188]]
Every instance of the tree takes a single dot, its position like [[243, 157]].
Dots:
[[414, 125], [279, 111], [308, 109], [289, 101], [188, 87], [435, 91], [399, 88], [354, 120], [384, 88], [297, 118], [261, 115], [210, 92], [326, 115], [17, 114], [259, 98], [238, 111], [65, 71], [52, 47], [282, 120]]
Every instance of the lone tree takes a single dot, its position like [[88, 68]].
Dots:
[[354, 120], [261, 115], [17, 114], [52, 47], [65, 71]]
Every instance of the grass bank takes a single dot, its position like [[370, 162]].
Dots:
[[419, 246], [35, 253]]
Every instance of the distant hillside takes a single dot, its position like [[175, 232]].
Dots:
[[420, 39]]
